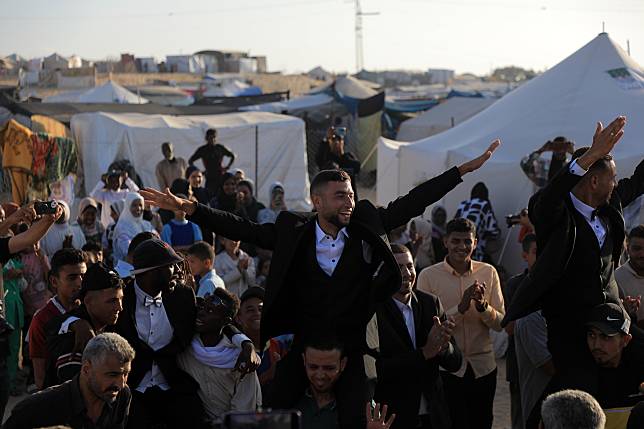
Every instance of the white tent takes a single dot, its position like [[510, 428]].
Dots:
[[279, 155], [596, 83], [298, 103], [446, 115], [110, 92]]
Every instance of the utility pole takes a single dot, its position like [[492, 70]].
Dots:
[[359, 47]]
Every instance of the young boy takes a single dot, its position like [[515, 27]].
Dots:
[[94, 253], [180, 233], [201, 257]]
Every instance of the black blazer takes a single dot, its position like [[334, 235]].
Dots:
[[551, 212], [368, 222], [180, 306], [403, 372]]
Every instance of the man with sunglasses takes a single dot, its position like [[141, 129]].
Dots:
[[158, 320], [210, 359]]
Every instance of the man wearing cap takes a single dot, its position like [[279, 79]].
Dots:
[[618, 355], [158, 320], [101, 296], [108, 190]]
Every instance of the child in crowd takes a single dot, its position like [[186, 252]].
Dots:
[[263, 267], [14, 284], [94, 253], [36, 266], [88, 220], [108, 237], [201, 257], [235, 266], [180, 233]]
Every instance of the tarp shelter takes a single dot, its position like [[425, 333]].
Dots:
[[596, 83], [446, 115], [294, 104], [110, 92], [268, 147]]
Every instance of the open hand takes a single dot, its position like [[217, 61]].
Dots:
[[604, 141], [376, 419], [166, 200], [477, 162]]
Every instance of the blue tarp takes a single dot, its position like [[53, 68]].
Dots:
[[410, 106]]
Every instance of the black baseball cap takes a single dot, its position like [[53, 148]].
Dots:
[[98, 277], [252, 292], [153, 254], [610, 318]]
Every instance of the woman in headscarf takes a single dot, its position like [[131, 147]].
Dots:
[[277, 204], [439, 223], [62, 234], [226, 199], [88, 220], [130, 224], [194, 176]]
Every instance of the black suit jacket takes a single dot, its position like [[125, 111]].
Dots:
[[180, 306], [551, 212], [403, 372], [368, 222]]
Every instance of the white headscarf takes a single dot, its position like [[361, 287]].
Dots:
[[53, 240], [128, 226]]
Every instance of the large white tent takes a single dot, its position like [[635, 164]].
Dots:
[[596, 83], [268, 147], [446, 115], [110, 92]]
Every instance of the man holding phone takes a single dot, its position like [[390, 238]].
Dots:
[[539, 169]]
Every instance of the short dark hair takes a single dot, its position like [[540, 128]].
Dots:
[[480, 191], [66, 257], [210, 132], [326, 176], [91, 247], [527, 242], [636, 232], [460, 224], [399, 248], [230, 299], [202, 251], [601, 164], [138, 239], [166, 145], [324, 342]]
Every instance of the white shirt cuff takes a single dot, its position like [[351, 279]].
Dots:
[[64, 328], [576, 169], [238, 339]]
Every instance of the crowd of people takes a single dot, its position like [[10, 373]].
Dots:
[[354, 315]]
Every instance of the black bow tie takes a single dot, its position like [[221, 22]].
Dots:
[[597, 212]]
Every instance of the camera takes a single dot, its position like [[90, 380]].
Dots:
[[515, 219], [339, 133], [45, 207]]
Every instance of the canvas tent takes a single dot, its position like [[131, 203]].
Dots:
[[446, 115], [279, 154], [110, 92], [299, 103], [596, 83]]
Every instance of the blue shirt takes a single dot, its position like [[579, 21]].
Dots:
[[177, 233], [209, 282]]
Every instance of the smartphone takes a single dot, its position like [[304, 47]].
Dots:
[[45, 207], [340, 132], [280, 419]]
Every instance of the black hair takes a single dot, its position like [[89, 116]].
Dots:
[[527, 242], [324, 342], [211, 131], [601, 164], [166, 144], [191, 169], [180, 186], [399, 248], [326, 176], [460, 224], [202, 251], [138, 239], [636, 232], [230, 299], [480, 191], [91, 247], [66, 257]]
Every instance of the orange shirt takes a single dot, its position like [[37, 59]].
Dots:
[[472, 331]]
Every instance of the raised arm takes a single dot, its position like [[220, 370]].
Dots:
[[35, 232], [221, 222], [403, 209]]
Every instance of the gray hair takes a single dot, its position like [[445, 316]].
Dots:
[[102, 345], [572, 409]]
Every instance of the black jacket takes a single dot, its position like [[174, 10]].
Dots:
[[552, 213], [369, 223], [403, 372]]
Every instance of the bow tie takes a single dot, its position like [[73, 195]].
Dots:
[[149, 301], [597, 212]]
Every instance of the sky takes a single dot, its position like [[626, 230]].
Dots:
[[296, 35]]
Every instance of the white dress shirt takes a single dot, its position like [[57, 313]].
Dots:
[[585, 210], [155, 330], [328, 250], [408, 315]]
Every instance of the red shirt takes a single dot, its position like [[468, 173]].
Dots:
[[37, 335]]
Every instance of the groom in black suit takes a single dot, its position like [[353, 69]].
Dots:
[[578, 219], [329, 268]]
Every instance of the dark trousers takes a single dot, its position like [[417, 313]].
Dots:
[[575, 367], [4, 387], [290, 382], [424, 422], [515, 405], [470, 399], [159, 409]]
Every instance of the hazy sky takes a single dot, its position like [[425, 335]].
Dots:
[[297, 35]]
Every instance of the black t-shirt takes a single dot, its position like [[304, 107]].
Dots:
[[211, 156], [5, 255], [619, 387]]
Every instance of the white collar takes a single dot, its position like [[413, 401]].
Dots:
[[140, 294], [583, 208], [321, 235]]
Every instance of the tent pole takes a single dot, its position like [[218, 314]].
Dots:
[[256, 158]]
